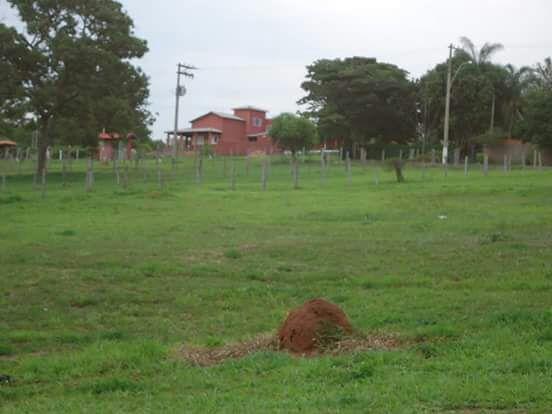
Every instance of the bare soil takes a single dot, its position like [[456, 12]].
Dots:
[[314, 326]]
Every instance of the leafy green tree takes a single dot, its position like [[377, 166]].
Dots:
[[71, 69], [471, 91], [542, 75], [293, 133], [360, 100], [536, 126]]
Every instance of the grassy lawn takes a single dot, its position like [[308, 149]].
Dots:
[[98, 290]]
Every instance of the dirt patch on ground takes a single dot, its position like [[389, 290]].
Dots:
[[317, 328], [316, 325]]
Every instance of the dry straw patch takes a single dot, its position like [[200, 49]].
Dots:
[[205, 357]]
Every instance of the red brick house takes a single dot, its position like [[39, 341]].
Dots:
[[243, 132]]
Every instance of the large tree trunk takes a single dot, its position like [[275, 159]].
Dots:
[[43, 143]]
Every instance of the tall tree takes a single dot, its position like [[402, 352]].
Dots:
[[360, 100], [72, 57], [482, 59], [516, 83]]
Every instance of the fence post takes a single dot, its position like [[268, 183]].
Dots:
[[199, 168], [63, 169], [295, 173], [349, 169], [433, 157], [89, 175], [322, 166], [456, 157], [534, 159], [233, 172], [505, 163], [466, 165], [523, 156], [159, 173], [125, 177], [3, 171], [264, 174], [540, 160], [485, 165], [383, 155]]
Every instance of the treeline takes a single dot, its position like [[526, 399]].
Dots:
[[370, 104]]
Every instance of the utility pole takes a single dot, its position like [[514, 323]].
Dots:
[[182, 70], [447, 107], [450, 81]]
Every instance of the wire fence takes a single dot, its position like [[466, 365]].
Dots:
[[157, 170]]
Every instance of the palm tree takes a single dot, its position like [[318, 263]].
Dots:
[[483, 55], [543, 73], [516, 84], [481, 58]]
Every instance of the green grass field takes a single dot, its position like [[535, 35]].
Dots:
[[98, 290]]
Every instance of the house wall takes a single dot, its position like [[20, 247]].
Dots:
[[248, 115], [512, 148], [234, 138]]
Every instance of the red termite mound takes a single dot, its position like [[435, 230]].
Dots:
[[305, 329]]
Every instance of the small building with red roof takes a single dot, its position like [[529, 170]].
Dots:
[[112, 143]]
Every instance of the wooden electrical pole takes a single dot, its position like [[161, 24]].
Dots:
[[182, 70]]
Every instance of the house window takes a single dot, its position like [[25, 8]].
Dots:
[[215, 139], [257, 122], [200, 140], [252, 139]]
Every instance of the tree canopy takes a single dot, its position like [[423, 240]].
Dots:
[[536, 125], [360, 100], [71, 70], [293, 132], [472, 94]]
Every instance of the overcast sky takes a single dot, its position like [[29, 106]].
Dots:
[[254, 52]]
